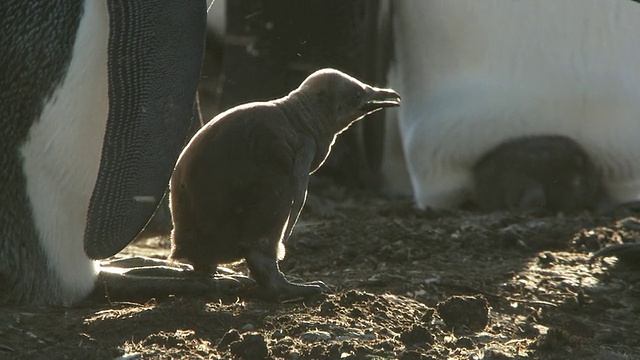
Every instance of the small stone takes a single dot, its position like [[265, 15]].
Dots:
[[417, 335], [414, 355], [547, 258], [251, 346], [428, 315], [229, 337], [465, 311], [132, 356], [247, 327], [315, 335], [465, 343]]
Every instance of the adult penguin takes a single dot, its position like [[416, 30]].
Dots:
[[96, 101], [476, 74]]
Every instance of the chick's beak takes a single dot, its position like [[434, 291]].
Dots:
[[376, 98]]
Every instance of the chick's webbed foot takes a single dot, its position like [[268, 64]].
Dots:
[[273, 284]]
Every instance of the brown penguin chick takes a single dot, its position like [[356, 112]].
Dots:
[[547, 171], [240, 183]]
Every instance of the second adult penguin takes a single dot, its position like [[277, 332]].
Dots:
[[241, 182]]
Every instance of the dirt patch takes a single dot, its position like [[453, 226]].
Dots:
[[407, 285]]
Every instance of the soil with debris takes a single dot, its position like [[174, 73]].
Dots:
[[407, 285]]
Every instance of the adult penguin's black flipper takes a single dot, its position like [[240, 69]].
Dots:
[[155, 53]]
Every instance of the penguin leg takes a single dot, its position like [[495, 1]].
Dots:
[[265, 270], [117, 286], [267, 247], [143, 278], [262, 259]]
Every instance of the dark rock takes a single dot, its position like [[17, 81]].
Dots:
[[471, 312]]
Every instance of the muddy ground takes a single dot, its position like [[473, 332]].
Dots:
[[408, 285]]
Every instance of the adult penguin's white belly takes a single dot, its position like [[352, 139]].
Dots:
[[474, 74], [62, 156]]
